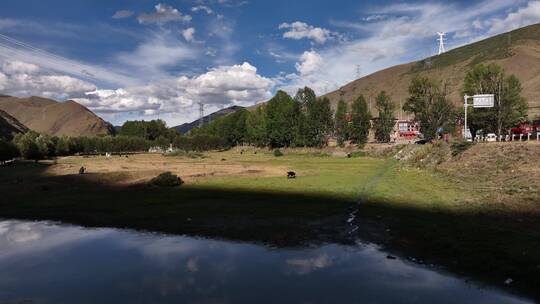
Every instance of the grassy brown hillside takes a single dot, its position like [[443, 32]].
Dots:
[[10, 126], [518, 52], [54, 118]]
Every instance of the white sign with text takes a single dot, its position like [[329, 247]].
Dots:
[[483, 101]]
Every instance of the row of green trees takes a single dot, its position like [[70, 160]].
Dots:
[[150, 130], [35, 146], [304, 120]]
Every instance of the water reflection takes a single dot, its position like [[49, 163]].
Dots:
[[42, 262]]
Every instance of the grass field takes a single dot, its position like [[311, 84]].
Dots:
[[245, 195]]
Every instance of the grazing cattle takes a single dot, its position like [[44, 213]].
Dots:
[[291, 174], [81, 170]]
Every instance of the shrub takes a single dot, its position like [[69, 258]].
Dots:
[[167, 179], [358, 154], [277, 153]]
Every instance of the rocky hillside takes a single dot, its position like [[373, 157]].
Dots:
[[55, 118], [518, 52], [184, 128], [9, 126]]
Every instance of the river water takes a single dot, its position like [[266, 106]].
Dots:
[[42, 262]]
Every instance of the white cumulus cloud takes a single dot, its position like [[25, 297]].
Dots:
[[300, 30], [189, 34], [163, 13], [203, 8], [122, 14], [23, 79], [222, 86], [310, 62], [523, 16], [3, 81]]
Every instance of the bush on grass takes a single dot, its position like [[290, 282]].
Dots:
[[277, 153], [167, 179]]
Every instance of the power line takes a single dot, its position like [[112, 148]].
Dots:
[[21, 49]]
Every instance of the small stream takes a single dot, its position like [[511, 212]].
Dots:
[[42, 262]]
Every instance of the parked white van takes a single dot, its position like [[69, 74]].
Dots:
[[491, 137]]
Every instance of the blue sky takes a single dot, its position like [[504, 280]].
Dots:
[[147, 59]]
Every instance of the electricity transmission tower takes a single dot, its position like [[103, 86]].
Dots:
[[201, 114], [441, 42]]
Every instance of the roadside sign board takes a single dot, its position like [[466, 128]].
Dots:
[[483, 101]]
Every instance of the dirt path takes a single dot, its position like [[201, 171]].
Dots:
[[374, 181]]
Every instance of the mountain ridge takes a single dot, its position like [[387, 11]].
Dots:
[[55, 118], [186, 127]]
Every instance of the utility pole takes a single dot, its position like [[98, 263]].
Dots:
[[499, 123], [400, 111], [465, 127]]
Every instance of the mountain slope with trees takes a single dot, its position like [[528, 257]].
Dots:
[[517, 52]]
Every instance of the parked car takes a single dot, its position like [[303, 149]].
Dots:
[[424, 141], [490, 137]]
